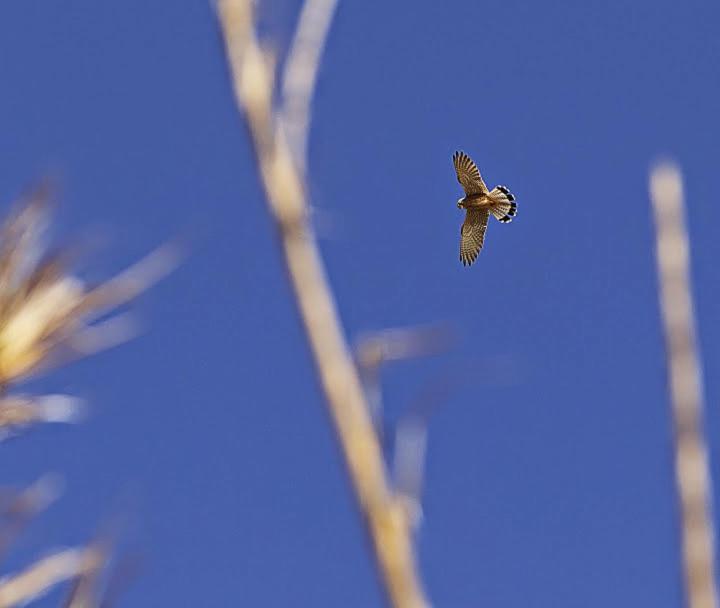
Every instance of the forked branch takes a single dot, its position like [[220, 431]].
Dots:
[[253, 80]]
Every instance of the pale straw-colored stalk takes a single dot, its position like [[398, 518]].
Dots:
[[692, 470], [253, 79]]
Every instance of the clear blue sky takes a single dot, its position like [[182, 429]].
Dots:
[[550, 487]]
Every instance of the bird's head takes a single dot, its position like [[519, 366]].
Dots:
[[460, 203]]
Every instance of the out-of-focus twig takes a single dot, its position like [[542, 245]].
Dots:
[[44, 574], [411, 441], [47, 316], [684, 370], [101, 586], [17, 509], [409, 464], [45, 311], [87, 588], [19, 411], [120, 578], [374, 349], [285, 192], [300, 75]]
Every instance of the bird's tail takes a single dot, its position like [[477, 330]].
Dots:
[[504, 206]]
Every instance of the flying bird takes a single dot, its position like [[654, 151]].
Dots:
[[479, 203]]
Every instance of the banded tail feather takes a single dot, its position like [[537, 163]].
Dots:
[[504, 207]]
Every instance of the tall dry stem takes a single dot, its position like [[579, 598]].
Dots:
[[285, 189], [692, 472]]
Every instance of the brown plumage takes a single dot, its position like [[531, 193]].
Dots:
[[479, 203]]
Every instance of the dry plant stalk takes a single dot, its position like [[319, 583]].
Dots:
[[253, 78], [46, 573], [47, 317], [301, 71], [374, 350], [19, 508], [89, 589], [685, 379]]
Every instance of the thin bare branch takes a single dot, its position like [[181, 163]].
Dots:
[[120, 578], [18, 509], [300, 75], [409, 464], [396, 344], [102, 585], [19, 411], [44, 574], [87, 588], [684, 368], [285, 192], [373, 350]]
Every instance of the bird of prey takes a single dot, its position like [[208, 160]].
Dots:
[[479, 203]]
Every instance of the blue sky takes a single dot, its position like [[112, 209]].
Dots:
[[549, 485]]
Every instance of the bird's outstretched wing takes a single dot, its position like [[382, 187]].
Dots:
[[468, 174], [472, 235]]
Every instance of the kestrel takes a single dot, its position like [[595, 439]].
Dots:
[[479, 203]]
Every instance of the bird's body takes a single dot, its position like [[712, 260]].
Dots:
[[479, 203], [475, 201]]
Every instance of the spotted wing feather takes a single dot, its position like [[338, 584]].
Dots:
[[468, 174], [472, 235]]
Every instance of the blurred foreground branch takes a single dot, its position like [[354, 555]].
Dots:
[[253, 78], [300, 73], [374, 350], [49, 316], [685, 378], [19, 508], [45, 573]]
